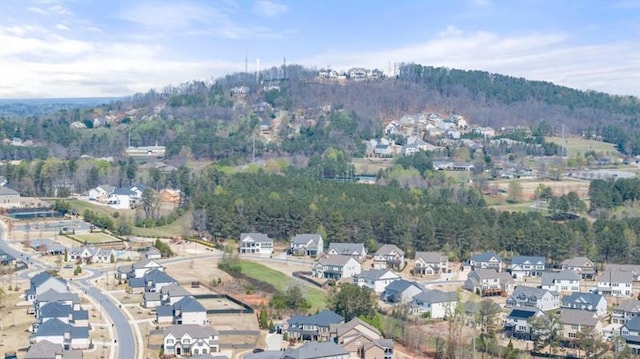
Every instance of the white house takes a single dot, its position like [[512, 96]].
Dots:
[[625, 311], [586, 301], [388, 256], [616, 283], [486, 260], [488, 282], [307, 244], [563, 281], [90, 254], [527, 266], [256, 243], [430, 263], [533, 298], [190, 339], [43, 282], [143, 266], [337, 267], [100, 193], [376, 279], [189, 311], [437, 303], [9, 198], [518, 323], [122, 198], [630, 332], [356, 250]]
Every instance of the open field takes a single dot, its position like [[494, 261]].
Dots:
[[576, 145], [316, 297], [81, 206], [94, 238], [370, 166], [174, 229], [14, 322], [559, 187]]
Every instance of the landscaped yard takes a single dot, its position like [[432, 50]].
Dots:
[[316, 297]]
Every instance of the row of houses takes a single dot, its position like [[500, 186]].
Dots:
[[126, 197], [62, 325]]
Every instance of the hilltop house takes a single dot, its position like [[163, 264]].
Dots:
[[313, 327], [388, 256], [401, 291], [430, 263], [533, 298], [527, 266], [256, 243], [356, 250], [487, 260], [436, 303], [488, 282], [376, 279], [616, 283], [630, 332], [581, 265], [563, 281], [518, 323], [100, 193], [361, 339], [337, 267], [190, 339], [625, 311], [586, 301], [307, 245]]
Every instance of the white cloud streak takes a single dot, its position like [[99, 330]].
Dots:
[[269, 8]]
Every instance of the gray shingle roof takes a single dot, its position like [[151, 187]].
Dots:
[[257, 237], [79, 332], [485, 257], [486, 273], [578, 317], [6, 191], [174, 290], [527, 259], [158, 276], [631, 306], [522, 293], [577, 262], [194, 330], [347, 249], [633, 324], [387, 249], [340, 328], [400, 285], [313, 350], [164, 311], [582, 298], [335, 260], [375, 274], [306, 238], [567, 274], [52, 327], [54, 296], [55, 310], [43, 349], [151, 296], [430, 257], [431, 296], [80, 315], [189, 304], [323, 319], [616, 277]]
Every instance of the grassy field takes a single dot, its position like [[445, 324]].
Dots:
[[81, 206], [316, 297], [578, 144], [96, 237], [370, 166], [174, 229]]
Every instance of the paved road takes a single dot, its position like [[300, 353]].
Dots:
[[125, 341]]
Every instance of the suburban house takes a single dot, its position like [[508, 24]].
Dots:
[[486, 260], [563, 281], [189, 311], [151, 299], [574, 321], [356, 250], [488, 282], [164, 315], [430, 263], [528, 297], [100, 193], [437, 304], [89, 254], [388, 256], [401, 291], [625, 311], [586, 301], [376, 279], [256, 243], [9, 198], [45, 349], [66, 335], [190, 339], [152, 253], [46, 246], [152, 281], [518, 323], [630, 332], [581, 265], [616, 283], [527, 266], [361, 339], [43, 282], [6, 258], [313, 327], [122, 198], [633, 268], [336, 267], [51, 296], [144, 266], [315, 350], [307, 245], [172, 293], [62, 312]]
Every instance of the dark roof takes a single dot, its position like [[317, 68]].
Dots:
[[79, 332], [322, 319], [313, 350], [55, 310], [347, 248], [522, 313], [633, 324], [189, 304], [435, 296], [485, 257], [136, 283], [54, 296], [400, 285], [585, 298], [123, 191], [387, 249], [52, 327], [39, 278], [158, 276], [164, 311], [80, 315], [375, 274], [257, 237]]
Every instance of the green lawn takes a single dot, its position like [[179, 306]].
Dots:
[[316, 297], [578, 144], [97, 237], [174, 229]]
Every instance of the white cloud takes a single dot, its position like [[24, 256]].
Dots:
[[62, 27], [166, 15], [269, 8]]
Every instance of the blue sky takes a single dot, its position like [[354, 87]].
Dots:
[[84, 48]]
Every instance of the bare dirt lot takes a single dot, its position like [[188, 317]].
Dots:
[[559, 187], [14, 321]]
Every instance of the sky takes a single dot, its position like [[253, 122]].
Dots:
[[104, 48]]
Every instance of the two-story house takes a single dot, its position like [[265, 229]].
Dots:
[[376, 279], [586, 301], [630, 332], [361, 340], [388, 256], [190, 339], [518, 323], [152, 281], [564, 281], [138, 269], [401, 291], [616, 283], [528, 297], [625, 311], [488, 282], [316, 350], [307, 245], [189, 311], [430, 263], [356, 250], [581, 265], [527, 266], [6, 258], [434, 303], [313, 327], [66, 335], [574, 321], [336, 267], [256, 243], [43, 282], [486, 260]]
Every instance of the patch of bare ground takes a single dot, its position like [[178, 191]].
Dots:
[[15, 321], [203, 270]]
